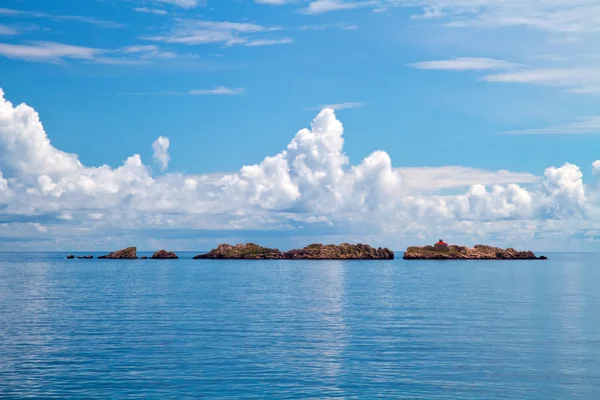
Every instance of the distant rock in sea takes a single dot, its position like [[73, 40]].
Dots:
[[71, 257], [248, 251], [164, 255], [478, 252], [345, 251], [129, 253]]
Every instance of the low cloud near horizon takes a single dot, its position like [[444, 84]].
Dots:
[[308, 192]]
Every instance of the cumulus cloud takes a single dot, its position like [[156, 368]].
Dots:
[[161, 152], [596, 167], [309, 184]]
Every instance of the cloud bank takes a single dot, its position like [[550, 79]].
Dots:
[[308, 189]]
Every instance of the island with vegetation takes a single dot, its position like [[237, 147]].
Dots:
[[344, 251], [443, 251]]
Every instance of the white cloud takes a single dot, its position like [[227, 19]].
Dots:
[[219, 90], [161, 152], [577, 80], [309, 185], [274, 2], [148, 52], [431, 179], [596, 167], [183, 3], [325, 6], [216, 91], [156, 11], [339, 106], [7, 30], [587, 125], [198, 32], [464, 63], [575, 16], [322, 27], [75, 18], [267, 42], [53, 52], [48, 52]]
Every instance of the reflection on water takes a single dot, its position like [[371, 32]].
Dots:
[[287, 329]]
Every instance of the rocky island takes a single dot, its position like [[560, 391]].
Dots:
[[164, 255], [129, 253], [443, 251], [344, 251]]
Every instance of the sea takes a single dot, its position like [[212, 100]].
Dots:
[[219, 329]]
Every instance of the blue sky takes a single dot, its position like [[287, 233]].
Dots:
[[452, 91]]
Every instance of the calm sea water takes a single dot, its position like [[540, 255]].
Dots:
[[300, 329]]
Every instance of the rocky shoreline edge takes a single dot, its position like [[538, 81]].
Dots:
[[251, 251], [477, 252]]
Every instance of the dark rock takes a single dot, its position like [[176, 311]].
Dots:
[[70, 257], [345, 251], [85, 257], [129, 253], [478, 252], [164, 255], [248, 251], [144, 258]]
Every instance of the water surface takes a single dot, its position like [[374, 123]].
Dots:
[[300, 329]]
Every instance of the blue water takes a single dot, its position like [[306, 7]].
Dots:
[[300, 329]]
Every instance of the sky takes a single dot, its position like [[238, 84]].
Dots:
[[181, 124]]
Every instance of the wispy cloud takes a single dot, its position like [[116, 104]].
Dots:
[[275, 2], [148, 52], [7, 31], [184, 3], [464, 63], [325, 6], [48, 52], [587, 125], [198, 32], [76, 18], [156, 11], [338, 106], [219, 90], [268, 42], [322, 27], [576, 80], [52, 52], [216, 91]]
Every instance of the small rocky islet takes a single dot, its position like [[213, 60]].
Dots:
[[344, 251], [130, 253], [443, 251]]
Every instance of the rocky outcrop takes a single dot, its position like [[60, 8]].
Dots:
[[71, 257], [248, 251], [164, 255], [478, 252], [345, 251], [129, 253]]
